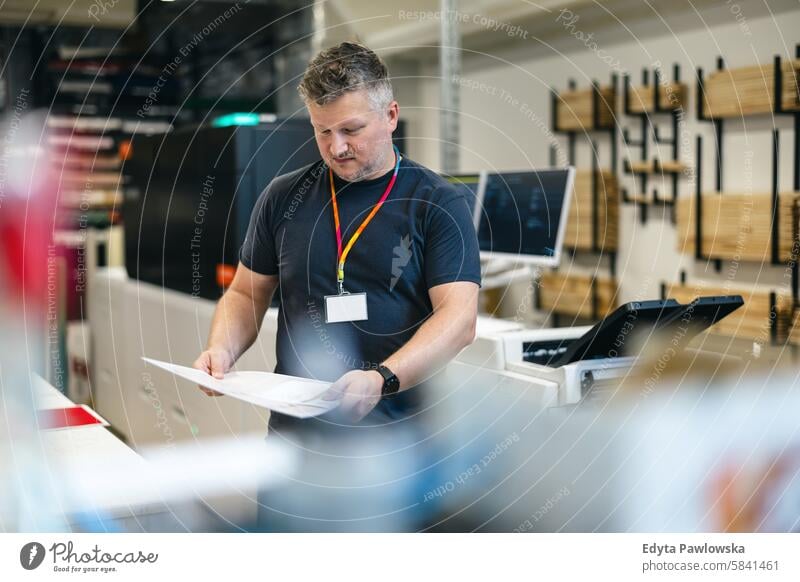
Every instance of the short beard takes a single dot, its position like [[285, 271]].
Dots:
[[363, 173]]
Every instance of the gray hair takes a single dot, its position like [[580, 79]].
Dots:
[[341, 69]]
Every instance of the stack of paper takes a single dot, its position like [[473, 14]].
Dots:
[[298, 397]]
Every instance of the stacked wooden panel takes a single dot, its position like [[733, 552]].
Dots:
[[570, 294], [579, 222], [656, 167], [672, 96], [794, 331], [574, 109], [752, 320], [737, 226], [750, 90], [671, 166]]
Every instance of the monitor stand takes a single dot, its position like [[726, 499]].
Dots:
[[497, 273]]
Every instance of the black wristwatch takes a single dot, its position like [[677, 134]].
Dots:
[[391, 384]]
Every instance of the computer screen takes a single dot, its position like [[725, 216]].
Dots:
[[470, 185], [523, 215]]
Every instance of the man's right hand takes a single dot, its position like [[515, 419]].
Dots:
[[236, 322], [216, 363]]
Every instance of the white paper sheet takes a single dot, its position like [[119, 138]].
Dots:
[[290, 395]]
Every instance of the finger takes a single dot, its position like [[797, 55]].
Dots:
[[360, 408], [357, 414], [365, 406], [350, 403], [202, 363], [335, 392], [217, 367]]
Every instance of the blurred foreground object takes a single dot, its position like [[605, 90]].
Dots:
[[708, 453], [27, 202]]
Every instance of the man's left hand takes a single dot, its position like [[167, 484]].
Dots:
[[359, 392]]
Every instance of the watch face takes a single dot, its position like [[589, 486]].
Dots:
[[391, 383]]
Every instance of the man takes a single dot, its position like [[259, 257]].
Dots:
[[375, 257]]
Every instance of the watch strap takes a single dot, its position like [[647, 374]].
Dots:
[[391, 384]]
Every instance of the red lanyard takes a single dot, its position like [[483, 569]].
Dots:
[[341, 255]]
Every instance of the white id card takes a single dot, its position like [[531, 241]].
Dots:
[[347, 307]]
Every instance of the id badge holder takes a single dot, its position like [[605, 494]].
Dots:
[[345, 307]]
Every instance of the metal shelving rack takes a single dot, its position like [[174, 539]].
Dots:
[[572, 137], [646, 119]]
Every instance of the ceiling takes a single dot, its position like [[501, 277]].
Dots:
[[100, 13]]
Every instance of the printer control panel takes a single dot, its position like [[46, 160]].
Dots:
[[543, 352]]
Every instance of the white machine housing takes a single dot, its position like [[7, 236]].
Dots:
[[501, 346]]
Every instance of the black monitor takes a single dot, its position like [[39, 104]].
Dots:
[[610, 337], [471, 185], [523, 215]]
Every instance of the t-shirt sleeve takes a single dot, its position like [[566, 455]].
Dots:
[[451, 245], [258, 251]]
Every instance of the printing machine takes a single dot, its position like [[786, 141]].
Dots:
[[586, 362], [518, 350]]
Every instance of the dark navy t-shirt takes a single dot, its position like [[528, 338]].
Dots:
[[422, 236]]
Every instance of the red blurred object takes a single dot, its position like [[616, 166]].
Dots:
[[26, 225], [11, 247], [73, 416], [23, 253]]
